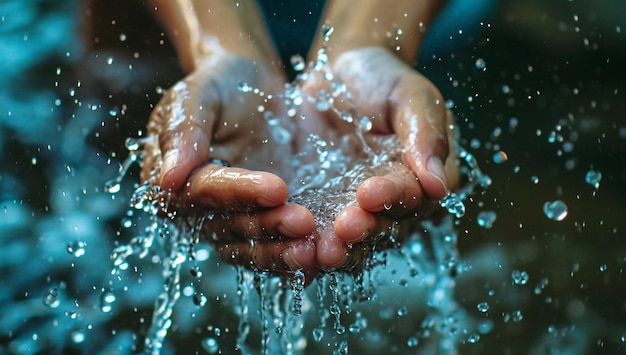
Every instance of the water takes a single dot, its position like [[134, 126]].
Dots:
[[337, 179], [593, 178], [486, 219], [555, 210], [55, 163]]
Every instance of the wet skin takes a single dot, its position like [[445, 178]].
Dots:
[[205, 117]]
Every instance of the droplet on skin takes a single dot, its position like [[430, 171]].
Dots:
[[297, 62], [244, 87]]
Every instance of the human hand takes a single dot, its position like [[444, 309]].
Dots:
[[398, 101], [205, 117]]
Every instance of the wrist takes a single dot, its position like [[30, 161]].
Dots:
[[399, 28]]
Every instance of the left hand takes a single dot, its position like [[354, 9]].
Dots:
[[398, 100]]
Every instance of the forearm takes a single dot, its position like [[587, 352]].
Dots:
[[397, 25], [201, 28]]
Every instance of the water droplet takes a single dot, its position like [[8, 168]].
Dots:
[[412, 342], [244, 87], [593, 178], [346, 116], [519, 277], [556, 210], [473, 338], [534, 180], [486, 219], [210, 345], [318, 334], [517, 316], [500, 157], [51, 298], [113, 186], [365, 124], [483, 307], [106, 301], [480, 64], [78, 336], [76, 248], [122, 37], [132, 144], [324, 102], [603, 267], [321, 60], [297, 62], [402, 311], [196, 271], [485, 326], [327, 31], [199, 299], [453, 204], [127, 222]]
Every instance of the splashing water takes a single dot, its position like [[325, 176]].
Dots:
[[171, 239]]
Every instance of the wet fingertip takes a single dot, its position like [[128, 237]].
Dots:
[[436, 170], [374, 193], [171, 160], [299, 256], [299, 223], [274, 192], [353, 224]]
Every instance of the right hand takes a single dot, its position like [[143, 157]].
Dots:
[[206, 117]]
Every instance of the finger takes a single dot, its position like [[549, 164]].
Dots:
[[290, 221], [183, 127], [419, 117], [278, 256], [224, 188], [396, 194], [331, 252], [354, 224]]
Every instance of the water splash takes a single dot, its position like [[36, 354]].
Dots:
[[335, 176]]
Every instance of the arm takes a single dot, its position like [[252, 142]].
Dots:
[[199, 28], [371, 23]]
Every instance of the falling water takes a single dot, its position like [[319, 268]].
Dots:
[[542, 259], [337, 178]]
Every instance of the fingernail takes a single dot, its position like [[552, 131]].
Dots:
[[171, 159], [436, 170]]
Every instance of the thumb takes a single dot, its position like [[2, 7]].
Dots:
[[184, 130], [419, 118]]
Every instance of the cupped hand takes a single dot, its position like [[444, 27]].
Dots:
[[203, 122], [398, 101]]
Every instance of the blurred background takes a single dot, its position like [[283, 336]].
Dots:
[[542, 82]]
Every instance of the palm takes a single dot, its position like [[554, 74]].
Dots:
[[396, 101]]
